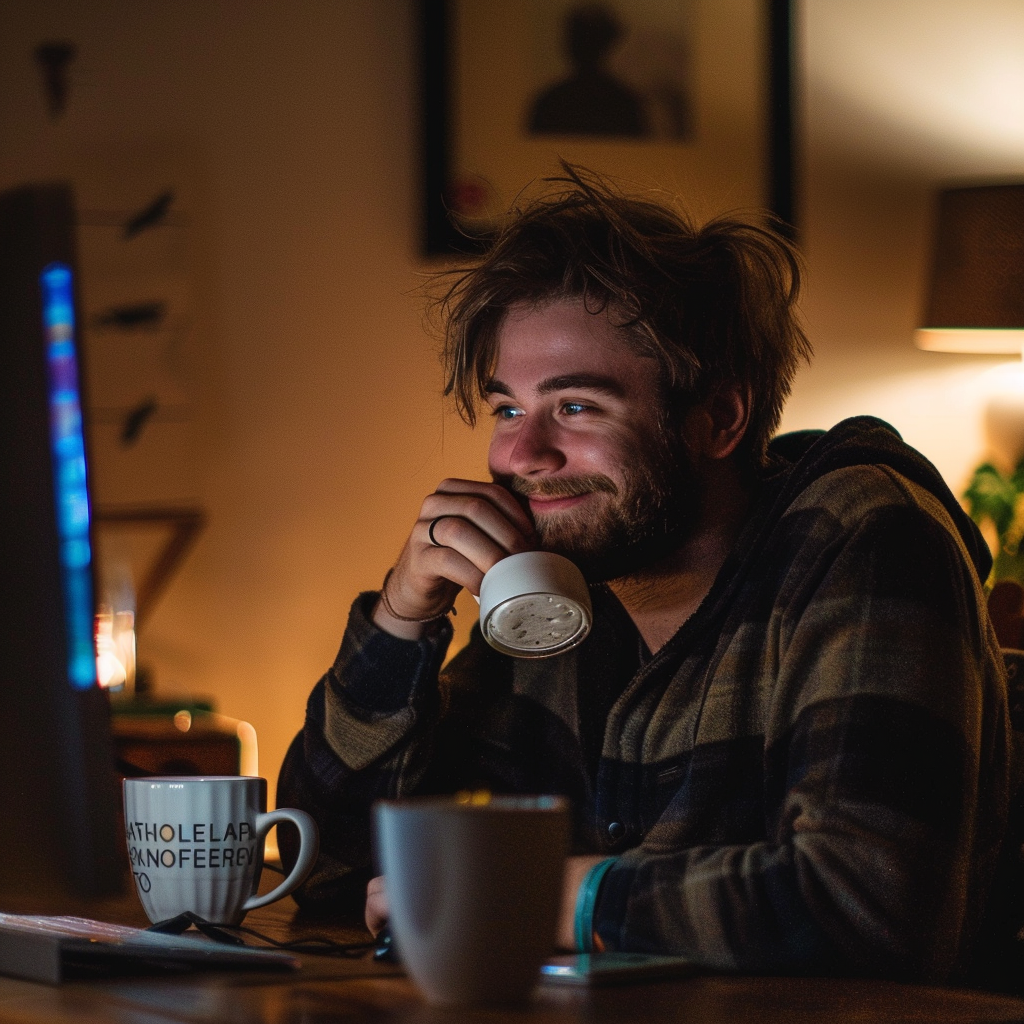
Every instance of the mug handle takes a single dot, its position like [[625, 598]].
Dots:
[[309, 847]]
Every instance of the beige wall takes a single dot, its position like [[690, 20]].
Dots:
[[314, 424]]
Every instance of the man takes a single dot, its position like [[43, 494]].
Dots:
[[785, 739]]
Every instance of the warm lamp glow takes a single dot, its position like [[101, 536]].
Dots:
[[249, 758], [979, 341], [1004, 415], [975, 299], [115, 649], [109, 671]]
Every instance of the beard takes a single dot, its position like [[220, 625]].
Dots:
[[639, 522]]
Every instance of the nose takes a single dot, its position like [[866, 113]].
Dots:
[[533, 449]]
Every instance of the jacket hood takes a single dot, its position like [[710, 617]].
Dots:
[[805, 455]]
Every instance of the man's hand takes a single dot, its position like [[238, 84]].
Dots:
[[576, 868], [477, 524], [376, 913]]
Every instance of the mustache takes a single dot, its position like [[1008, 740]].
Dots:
[[560, 487]]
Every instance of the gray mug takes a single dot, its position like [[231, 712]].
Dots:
[[474, 890]]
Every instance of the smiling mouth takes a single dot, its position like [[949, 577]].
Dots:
[[555, 503], [551, 496]]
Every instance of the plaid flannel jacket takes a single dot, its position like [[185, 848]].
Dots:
[[812, 776]]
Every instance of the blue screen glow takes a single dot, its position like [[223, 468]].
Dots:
[[68, 445]]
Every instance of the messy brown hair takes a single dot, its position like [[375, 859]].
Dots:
[[713, 305]]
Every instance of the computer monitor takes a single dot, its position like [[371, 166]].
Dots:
[[58, 794]]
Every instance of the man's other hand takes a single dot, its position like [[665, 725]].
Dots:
[[576, 869], [376, 913]]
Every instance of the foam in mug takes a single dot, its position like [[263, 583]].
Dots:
[[196, 844], [534, 604]]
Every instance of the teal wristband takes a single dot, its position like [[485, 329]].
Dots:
[[586, 900]]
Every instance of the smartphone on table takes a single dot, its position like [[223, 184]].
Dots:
[[615, 968]]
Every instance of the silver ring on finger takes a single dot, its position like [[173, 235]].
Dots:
[[430, 530]]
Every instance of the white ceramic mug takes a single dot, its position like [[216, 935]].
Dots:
[[534, 604], [474, 891], [196, 844]]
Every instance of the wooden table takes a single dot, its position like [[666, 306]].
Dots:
[[358, 991]]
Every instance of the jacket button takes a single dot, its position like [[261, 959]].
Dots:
[[616, 830]]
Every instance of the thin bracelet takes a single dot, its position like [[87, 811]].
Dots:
[[405, 618], [586, 900]]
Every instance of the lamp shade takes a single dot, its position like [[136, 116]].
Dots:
[[975, 297]]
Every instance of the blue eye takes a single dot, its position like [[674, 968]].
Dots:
[[574, 408], [507, 412]]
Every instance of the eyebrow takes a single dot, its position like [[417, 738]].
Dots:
[[564, 382]]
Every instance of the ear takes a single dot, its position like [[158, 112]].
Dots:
[[722, 421]]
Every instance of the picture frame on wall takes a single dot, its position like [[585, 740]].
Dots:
[[686, 96]]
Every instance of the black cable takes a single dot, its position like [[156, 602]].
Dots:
[[318, 945]]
